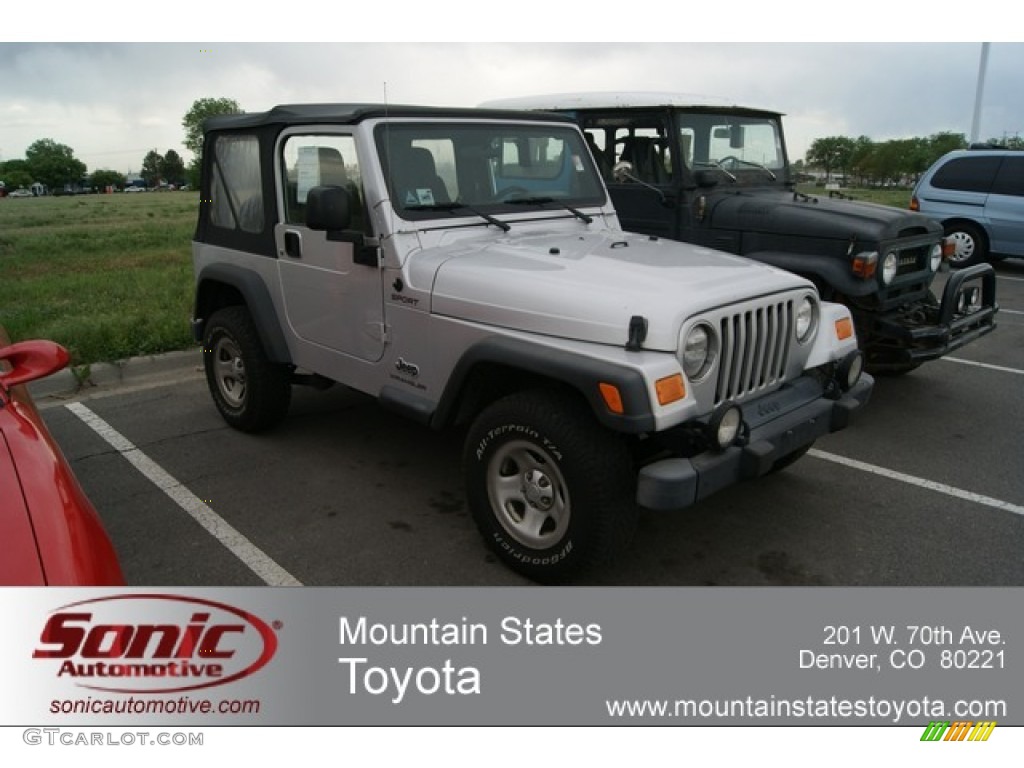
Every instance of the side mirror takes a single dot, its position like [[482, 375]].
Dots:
[[30, 360], [622, 172], [328, 209]]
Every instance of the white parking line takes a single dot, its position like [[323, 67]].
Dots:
[[1010, 311], [931, 485], [991, 367], [252, 556]]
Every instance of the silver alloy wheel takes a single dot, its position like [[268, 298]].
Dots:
[[965, 246], [528, 494], [229, 369]]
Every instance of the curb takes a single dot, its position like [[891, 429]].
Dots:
[[134, 370]]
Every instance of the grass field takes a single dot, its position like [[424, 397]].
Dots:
[[110, 276], [897, 198], [107, 276]]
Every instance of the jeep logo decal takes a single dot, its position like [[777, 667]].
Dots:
[[409, 369]]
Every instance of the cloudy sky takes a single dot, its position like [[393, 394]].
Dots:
[[112, 102]]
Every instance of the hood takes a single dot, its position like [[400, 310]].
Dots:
[[588, 287], [776, 212]]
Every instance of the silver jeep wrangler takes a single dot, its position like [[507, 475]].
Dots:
[[465, 267]]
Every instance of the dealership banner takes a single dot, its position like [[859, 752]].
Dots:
[[948, 662]]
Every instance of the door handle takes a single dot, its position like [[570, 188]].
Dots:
[[293, 245]]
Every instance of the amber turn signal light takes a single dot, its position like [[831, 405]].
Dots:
[[865, 264], [612, 397], [670, 389]]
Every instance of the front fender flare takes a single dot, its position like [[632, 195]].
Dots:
[[577, 371], [254, 294]]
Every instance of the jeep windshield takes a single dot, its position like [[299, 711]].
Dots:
[[747, 149], [486, 168]]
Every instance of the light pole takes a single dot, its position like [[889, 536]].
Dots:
[[982, 66]]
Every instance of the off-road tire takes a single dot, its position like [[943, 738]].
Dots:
[[251, 393], [551, 490]]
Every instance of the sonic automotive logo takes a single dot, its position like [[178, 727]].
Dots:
[[172, 644]]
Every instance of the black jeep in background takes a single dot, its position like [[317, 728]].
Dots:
[[717, 174]]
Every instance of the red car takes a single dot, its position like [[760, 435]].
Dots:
[[50, 533]]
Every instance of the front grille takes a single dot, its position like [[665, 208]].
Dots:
[[910, 260], [755, 347]]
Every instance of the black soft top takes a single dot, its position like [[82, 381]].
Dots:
[[291, 114]]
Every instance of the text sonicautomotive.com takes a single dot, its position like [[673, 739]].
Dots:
[[64, 737]]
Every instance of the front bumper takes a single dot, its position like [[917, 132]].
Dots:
[[779, 424], [906, 338]]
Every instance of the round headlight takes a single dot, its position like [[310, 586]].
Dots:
[[935, 257], [698, 348], [850, 370], [725, 425], [889, 268], [805, 319]]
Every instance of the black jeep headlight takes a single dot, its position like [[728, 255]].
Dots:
[[889, 266], [935, 257]]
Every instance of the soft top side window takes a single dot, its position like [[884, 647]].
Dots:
[[236, 194]]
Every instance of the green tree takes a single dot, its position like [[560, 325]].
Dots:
[[100, 180], [53, 164], [831, 154], [15, 173], [860, 157], [192, 122], [151, 164], [939, 144], [172, 169], [202, 109]]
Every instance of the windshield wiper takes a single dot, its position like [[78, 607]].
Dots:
[[459, 206], [767, 170], [545, 200], [716, 165]]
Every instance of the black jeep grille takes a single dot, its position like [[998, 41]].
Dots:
[[754, 351], [910, 260]]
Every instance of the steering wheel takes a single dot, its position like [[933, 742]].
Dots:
[[730, 160], [510, 193]]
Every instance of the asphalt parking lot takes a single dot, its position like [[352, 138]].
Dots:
[[925, 488]]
